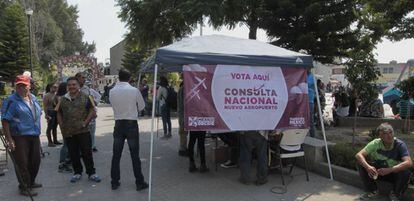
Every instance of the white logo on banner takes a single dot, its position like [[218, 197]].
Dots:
[[297, 121], [249, 98], [201, 121], [195, 90]]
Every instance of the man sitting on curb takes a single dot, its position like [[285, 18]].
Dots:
[[385, 158]]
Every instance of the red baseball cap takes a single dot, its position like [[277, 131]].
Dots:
[[21, 79]]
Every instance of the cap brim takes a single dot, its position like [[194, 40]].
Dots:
[[21, 82]]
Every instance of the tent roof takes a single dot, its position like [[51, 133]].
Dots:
[[218, 49]]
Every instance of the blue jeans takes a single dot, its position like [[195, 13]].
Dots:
[[166, 119], [92, 130], [64, 155], [126, 129], [253, 142]]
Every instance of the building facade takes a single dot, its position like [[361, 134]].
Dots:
[[116, 56]]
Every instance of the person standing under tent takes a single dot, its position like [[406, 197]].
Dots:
[[253, 142], [311, 95], [96, 97], [162, 94], [75, 112], [232, 141], [200, 137], [126, 102], [49, 109], [183, 151], [21, 113], [144, 88]]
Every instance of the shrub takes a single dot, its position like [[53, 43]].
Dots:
[[343, 154], [373, 134]]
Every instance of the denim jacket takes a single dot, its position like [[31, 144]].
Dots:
[[21, 119]]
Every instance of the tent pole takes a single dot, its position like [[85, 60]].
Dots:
[[154, 89], [323, 127]]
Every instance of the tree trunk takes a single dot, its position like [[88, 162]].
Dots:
[[253, 32]]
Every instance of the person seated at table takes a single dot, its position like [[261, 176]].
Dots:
[[385, 158], [253, 142]]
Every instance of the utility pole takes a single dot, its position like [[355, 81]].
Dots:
[[29, 13]]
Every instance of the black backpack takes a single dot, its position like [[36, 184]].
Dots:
[[171, 99]]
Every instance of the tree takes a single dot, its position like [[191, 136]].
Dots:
[[320, 27], [153, 23], [233, 12], [133, 58], [14, 40], [392, 19]]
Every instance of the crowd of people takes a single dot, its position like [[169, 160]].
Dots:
[[72, 106]]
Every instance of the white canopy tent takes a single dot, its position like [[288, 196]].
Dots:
[[217, 49]]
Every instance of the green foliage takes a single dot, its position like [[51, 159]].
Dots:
[[393, 19], [154, 23], [407, 88], [133, 58], [360, 70], [55, 33], [373, 134], [343, 154], [14, 41], [320, 27]]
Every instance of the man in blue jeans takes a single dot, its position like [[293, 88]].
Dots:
[[126, 102], [253, 142]]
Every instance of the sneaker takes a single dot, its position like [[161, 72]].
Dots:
[[261, 182], [393, 196], [95, 178], [192, 167], [28, 193], [2, 174], [94, 149], [244, 181], [228, 164], [183, 153], [370, 195], [115, 185], [36, 185], [75, 178], [203, 169], [50, 144], [57, 143], [63, 168], [142, 186], [165, 137]]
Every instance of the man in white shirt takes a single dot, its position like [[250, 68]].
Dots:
[[126, 103]]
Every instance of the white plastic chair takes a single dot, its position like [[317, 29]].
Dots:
[[291, 147]]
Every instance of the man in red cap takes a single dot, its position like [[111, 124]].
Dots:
[[21, 124]]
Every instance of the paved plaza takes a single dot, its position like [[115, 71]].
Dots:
[[171, 179]]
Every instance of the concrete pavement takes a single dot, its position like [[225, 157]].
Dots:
[[171, 179]]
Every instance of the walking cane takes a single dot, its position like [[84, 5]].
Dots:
[[19, 176]]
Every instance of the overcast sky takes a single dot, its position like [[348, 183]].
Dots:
[[98, 19]]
